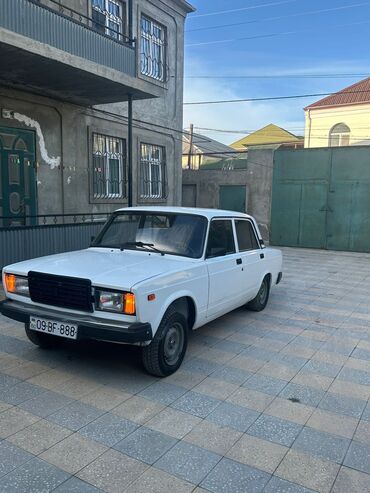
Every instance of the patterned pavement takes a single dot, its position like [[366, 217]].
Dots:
[[276, 401]]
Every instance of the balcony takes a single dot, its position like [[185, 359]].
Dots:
[[54, 51]]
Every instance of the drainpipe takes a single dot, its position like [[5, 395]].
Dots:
[[129, 150], [309, 128]]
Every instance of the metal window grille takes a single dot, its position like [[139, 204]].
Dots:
[[109, 17], [109, 167], [152, 171], [153, 42]]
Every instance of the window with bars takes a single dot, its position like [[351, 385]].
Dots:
[[153, 42], [152, 171], [109, 17], [109, 167]]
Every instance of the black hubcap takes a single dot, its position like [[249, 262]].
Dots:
[[173, 344], [262, 295]]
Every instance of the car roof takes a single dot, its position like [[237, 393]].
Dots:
[[209, 213]]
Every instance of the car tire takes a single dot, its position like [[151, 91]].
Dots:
[[44, 341], [164, 355], [260, 301]]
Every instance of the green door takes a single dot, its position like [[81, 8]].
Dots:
[[232, 198], [17, 176]]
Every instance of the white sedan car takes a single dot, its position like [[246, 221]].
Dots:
[[152, 274]]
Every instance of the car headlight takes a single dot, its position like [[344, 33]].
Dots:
[[116, 302], [16, 284]]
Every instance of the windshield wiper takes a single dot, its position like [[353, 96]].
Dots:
[[140, 244]]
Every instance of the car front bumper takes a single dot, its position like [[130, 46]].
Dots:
[[88, 326]]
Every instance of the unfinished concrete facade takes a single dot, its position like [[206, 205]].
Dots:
[[245, 190], [71, 71]]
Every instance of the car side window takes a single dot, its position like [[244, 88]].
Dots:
[[246, 236], [220, 238]]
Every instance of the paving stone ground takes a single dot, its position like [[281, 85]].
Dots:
[[276, 401]]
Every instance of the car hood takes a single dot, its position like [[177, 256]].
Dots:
[[104, 267]]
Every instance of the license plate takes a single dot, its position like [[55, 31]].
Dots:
[[61, 329]]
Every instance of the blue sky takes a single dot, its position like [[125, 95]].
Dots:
[[330, 42]]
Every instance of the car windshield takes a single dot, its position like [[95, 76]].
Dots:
[[166, 233]]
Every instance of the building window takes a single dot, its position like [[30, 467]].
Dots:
[[339, 135], [109, 167], [153, 41], [109, 17], [152, 171]]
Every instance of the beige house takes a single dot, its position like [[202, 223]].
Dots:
[[341, 119]]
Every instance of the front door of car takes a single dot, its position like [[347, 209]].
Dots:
[[253, 258], [224, 269]]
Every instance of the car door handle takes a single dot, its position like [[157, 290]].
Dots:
[[238, 261], [262, 255]]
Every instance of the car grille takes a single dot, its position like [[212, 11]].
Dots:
[[66, 292]]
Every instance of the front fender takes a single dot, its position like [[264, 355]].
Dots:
[[168, 302]]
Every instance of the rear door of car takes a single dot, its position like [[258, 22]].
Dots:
[[252, 256], [224, 268]]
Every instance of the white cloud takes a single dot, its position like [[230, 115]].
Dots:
[[288, 114], [235, 116]]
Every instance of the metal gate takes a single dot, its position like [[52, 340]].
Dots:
[[232, 198], [321, 198]]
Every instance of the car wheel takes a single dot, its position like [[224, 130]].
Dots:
[[164, 355], [44, 341], [260, 301]]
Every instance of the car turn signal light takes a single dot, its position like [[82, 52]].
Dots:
[[130, 307], [11, 283]]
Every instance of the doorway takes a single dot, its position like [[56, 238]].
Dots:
[[232, 198], [18, 198]]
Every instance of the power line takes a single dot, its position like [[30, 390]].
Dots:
[[238, 131], [272, 131], [280, 17], [203, 140], [279, 76], [251, 7], [272, 98], [271, 35]]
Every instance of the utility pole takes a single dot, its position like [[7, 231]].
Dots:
[[129, 112], [129, 151], [190, 144]]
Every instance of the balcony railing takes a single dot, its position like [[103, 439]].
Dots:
[[93, 23], [51, 23]]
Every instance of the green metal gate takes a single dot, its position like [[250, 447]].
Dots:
[[232, 198], [321, 199]]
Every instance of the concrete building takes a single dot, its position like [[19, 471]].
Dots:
[[341, 119], [244, 190], [91, 95]]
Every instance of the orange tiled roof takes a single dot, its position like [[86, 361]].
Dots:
[[355, 94]]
